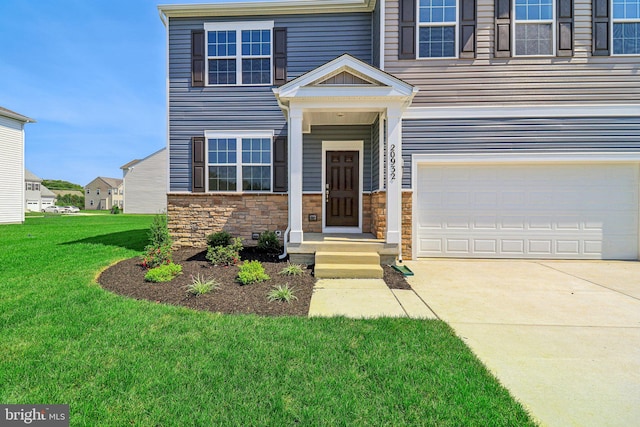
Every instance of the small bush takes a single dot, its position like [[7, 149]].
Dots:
[[202, 285], [292, 270], [164, 273], [252, 272], [157, 256], [281, 293], [159, 232], [115, 210], [225, 255], [268, 242], [221, 238]]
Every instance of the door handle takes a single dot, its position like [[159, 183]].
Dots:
[[326, 193]]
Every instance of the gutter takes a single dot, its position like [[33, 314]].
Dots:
[[285, 237]]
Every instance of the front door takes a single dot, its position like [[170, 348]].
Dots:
[[342, 195]]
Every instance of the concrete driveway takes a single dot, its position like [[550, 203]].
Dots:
[[562, 336]]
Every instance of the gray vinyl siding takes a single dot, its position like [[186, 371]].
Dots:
[[591, 134], [312, 40], [580, 79], [145, 185], [312, 153], [375, 36]]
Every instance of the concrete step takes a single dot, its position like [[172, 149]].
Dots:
[[357, 258], [348, 271]]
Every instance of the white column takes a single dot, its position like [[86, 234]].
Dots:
[[394, 175], [295, 175]]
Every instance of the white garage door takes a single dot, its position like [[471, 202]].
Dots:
[[566, 211]]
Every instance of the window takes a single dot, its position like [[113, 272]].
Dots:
[[109, 192], [626, 27], [29, 186], [534, 27], [36, 186], [98, 191], [242, 160], [91, 202], [88, 191], [437, 28], [239, 54]]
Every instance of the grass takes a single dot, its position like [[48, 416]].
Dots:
[[118, 361]]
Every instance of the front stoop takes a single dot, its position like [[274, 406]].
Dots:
[[347, 265]]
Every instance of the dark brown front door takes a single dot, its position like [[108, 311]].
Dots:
[[341, 189]]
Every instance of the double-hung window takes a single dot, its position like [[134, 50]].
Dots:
[[239, 53], [437, 28], [240, 162], [626, 27], [534, 29]]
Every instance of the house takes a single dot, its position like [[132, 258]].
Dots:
[[103, 194], [458, 128], [37, 196], [12, 193], [145, 184]]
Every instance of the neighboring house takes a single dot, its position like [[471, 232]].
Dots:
[[12, 193], [145, 184], [37, 196], [103, 194], [488, 129]]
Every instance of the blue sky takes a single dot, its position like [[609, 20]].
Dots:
[[92, 73]]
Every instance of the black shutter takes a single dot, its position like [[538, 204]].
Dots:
[[279, 56], [197, 58], [467, 28], [280, 161], [565, 27], [600, 28], [197, 164], [503, 29], [407, 36]]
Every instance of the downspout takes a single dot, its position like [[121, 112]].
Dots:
[[286, 232]]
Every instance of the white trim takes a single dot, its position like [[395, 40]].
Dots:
[[167, 127], [456, 30], [239, 133], [506, 111], [353, 145], [382, 139], [614, 21], [569, 157], [383, 28], [552, 22], [238, 26]]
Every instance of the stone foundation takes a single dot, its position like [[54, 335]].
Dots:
[[192, 217]]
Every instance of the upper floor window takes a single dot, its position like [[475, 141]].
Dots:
[[29, 186], [239, 54], [534, 27], [36, 186], [88, 191], [437, 20], [243, 161], [97, 191], [626, 27]]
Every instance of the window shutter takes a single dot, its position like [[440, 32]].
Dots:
[[197, 58], [279, 56], [565, 27], [503, 29], [467, 28], [407, 36], [280, 161], [600, 28], [197, 164]]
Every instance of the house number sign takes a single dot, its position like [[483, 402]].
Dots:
[[392, 162]]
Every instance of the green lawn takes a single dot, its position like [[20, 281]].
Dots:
[[121, 362]]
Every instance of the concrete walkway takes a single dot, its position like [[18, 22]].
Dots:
[[563, 337], [365, 298]]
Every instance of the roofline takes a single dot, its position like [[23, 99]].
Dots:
[[16, 116], [269, 7], [136, 161]]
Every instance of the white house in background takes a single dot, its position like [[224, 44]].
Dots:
[[12, 166], [103, 193], [145, 184], [37, 196]]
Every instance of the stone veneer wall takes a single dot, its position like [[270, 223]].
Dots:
[[312, 204], [379, 219], [194, 216], [407, 224]]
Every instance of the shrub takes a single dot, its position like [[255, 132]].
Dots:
[[281, 293], [164, 273], [268, 242], [201, 285], [157, 256], [225, 255], [221, 238], [159, 232], [115, 210], [292, 270], [252, 272]]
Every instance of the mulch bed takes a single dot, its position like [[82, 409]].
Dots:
[[127, 278]]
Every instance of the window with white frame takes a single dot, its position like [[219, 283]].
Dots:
[[626, 27], [437, 28], [239, 163], [239, 53], [534, 29]]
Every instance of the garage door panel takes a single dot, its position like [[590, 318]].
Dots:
[[528, 211]]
